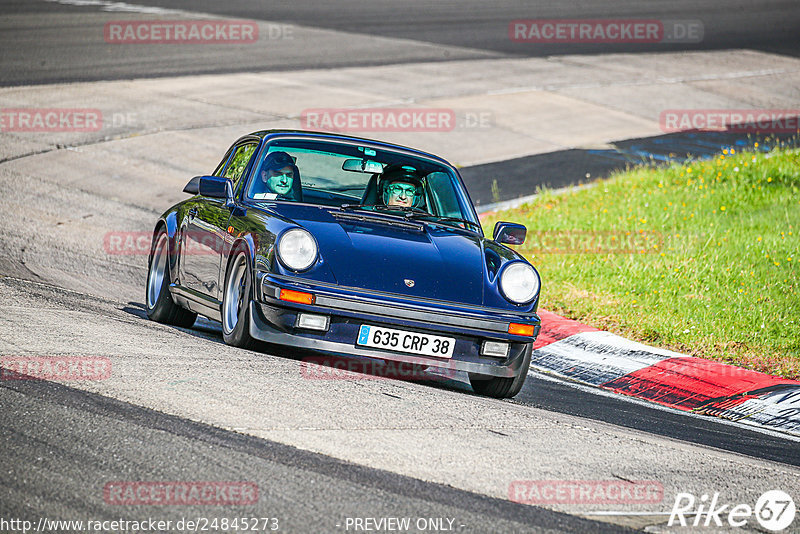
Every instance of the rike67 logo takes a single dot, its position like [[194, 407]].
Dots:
[[774, 510]]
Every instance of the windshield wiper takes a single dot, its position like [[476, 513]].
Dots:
[[421, 213], [366, 207], [409, 213], [378, 216], [379, 208]]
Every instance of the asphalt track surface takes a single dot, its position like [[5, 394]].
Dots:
[[49, 42], [61, 444], [768, 25], [59, 432]]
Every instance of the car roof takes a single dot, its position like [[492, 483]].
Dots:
[[327, 136]]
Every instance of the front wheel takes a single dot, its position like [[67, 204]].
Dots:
[[502, 387], [159, 304], [236, 302]]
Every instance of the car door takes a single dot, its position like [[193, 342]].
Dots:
[[206, 229]]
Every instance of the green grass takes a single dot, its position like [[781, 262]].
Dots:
[[699, 257]]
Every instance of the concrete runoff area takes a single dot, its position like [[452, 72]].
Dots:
[[502, 108], [158, 133]]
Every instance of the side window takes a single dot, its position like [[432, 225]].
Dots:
[[440, 188], [218, 170], [239, 160]]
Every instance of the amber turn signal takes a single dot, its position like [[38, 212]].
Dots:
[[296, 296], [520, 329]]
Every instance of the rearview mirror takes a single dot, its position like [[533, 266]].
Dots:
[[509, 233], [362, 165]]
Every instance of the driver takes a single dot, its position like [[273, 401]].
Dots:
[[278, 173], [401, 187]]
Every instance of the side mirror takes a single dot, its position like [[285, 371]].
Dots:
[[212, 186], [215, 187], [509, 233], [193, 187]]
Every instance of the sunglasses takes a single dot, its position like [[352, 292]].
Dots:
[[405, 190]]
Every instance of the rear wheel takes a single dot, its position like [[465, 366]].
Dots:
[[160, 306], [236, 302], [501, 387]]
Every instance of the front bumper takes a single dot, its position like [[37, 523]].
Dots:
[[274, 320]]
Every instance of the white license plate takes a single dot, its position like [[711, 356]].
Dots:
[[402, 341]]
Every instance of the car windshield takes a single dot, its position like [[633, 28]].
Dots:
[[356, 177]]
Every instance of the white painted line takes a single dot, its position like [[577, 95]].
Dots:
[[123, 7], [614, 512], [597, 357]]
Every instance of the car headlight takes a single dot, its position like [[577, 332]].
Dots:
[[297, 249], [519, 283]]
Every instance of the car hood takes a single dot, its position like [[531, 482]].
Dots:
[[382, 253]]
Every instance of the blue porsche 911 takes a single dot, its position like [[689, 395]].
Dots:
[[350, 247]]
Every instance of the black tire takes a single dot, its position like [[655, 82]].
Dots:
[[158, 301], [236, 296], [497, 387], [502, 387]]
